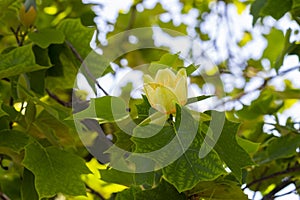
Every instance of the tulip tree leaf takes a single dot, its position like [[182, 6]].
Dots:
[[272, 8], [283, 147], [166, 61], [262, 8], [77, 35], [17, 61], [65, 67], [187, 169], [28, 190], [214, 190], [45, 37], [276, 44], [55, 170], [14, 140], [129, 179], [2, 112], [107, 108], [256, 8], [163, 191], [230, 151]]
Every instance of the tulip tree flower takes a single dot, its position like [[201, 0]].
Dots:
[[166, 90]]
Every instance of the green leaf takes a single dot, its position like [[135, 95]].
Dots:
[[9, 18], [276, 44], [107, 108], [143, 108], [65, 68], [55, 171], [264, 104], [14, 140], [162, 192], [277, 8], [235, 157], [249, 146], [288, 94], [2, 112], [28, 190], [37, 81], [283, 147], [77, 35], [191, 68], [30, 113], [274, 8], [166, 61], [189, 169], [10, 183], [46, 37], [256, 8], [183, 146], [17, 61], [196, 99], [216, 190], [129, 179]]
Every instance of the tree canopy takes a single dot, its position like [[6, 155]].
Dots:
[[186, 99]]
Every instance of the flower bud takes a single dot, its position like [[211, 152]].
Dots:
[[28, 13], [166, 90]]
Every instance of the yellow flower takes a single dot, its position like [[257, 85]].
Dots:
[[166, 90]]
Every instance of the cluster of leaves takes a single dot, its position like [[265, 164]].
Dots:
[[42, 156]]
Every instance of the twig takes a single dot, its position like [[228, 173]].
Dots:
[[75, 52], [22, 35], [3, 196], [16, 34], [262, 86], [281, 195], [289, 170], [56, 98], [277, 189]]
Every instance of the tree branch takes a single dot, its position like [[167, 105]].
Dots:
[[281, 195], [289, 170], [58, 100], [77, 55], [3, 196], [277, 189], [261, 87]]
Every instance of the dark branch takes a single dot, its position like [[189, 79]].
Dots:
[[77, 55], [3, 196], [261, 87], [58, 100], [287, 171], [290, 192], [277, 189]]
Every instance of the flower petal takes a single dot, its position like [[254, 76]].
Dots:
[[166, 77], [148, 79], [181, 91], [165, 100]]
